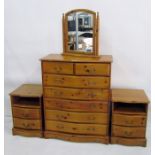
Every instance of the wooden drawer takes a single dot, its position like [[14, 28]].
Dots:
[[128, 131], [129, 141], [94, 129], [77, 137], [92, 69], [72, 105], [27, 133], [57, 67], [76, 81], [81, 117], [79, 94], [128, 120], [26, 113], [27, 124]]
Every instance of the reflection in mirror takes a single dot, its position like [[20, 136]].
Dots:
[[80, 32]]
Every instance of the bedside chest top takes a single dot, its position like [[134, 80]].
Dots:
[[129, 96], [28, 90], [64, 58]]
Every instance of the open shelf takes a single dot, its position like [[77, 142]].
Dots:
[[26, 101], [120, 107]]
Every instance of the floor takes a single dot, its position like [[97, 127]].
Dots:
[[17, 145]]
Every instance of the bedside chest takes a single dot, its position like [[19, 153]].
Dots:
[[76, 92], [26, 103], [129, 117]]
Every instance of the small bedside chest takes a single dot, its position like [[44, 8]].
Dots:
[[129, 117], [26, 103]]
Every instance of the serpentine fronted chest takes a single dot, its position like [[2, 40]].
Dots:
[[76, 94]]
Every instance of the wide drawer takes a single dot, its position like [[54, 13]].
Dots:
[[76, 81], [81, 117], [92, 69], [26, 113], [94, 129], [129, 141], [81, 94], [72, 105], [57, 67], [128, 131], [26, 123], [128, 120]]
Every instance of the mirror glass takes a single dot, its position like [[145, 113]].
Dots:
[[80, 32]]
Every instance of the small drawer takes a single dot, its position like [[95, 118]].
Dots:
[[94, 129], [99, 118], [79, 94], [138, 132], [26, 113], [76, 81], [27, 124], [72, 105], [92, 69], [129, 141], [128, 120], [57, 67]]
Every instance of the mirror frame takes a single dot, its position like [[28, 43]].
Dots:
[[66, 51]]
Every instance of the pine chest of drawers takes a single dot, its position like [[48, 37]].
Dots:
[[26, 103], [129, 117], [76, 93]]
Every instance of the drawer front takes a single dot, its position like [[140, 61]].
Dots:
[[128, 120], [76, 81], [100, 118], [92, 69], [81, 94], [94, 129], [129, 141], [71, 105], [128, 131], [26, 113], [57, 67], [27, 124]]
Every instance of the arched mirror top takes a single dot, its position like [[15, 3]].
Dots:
[[80, 32]]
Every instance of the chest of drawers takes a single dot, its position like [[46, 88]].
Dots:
[[26, 103], [129, 117], [76, 93]]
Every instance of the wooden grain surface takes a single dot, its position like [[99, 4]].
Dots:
[[129, 96], [92, 69], [129, 141], [76, 81], [94, 129], [133, 132], [26, 113], [81, 117], [57, 67], [68, 58], [27, 133], [79, 94], [72, 105], [27, 123], [129, 120], [28, 90], [77, 137]]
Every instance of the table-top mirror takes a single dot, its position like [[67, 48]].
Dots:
[[80, 32]]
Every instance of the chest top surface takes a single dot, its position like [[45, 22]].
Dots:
[[129, 96], [28, 90], [68, 58]]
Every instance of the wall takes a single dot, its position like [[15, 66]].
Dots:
[[33, 29]]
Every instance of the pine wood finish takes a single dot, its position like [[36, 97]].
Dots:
[[129, 117], [76, 98], [26, 102]]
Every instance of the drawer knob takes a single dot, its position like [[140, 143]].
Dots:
[[129, 122], [127, 133]]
